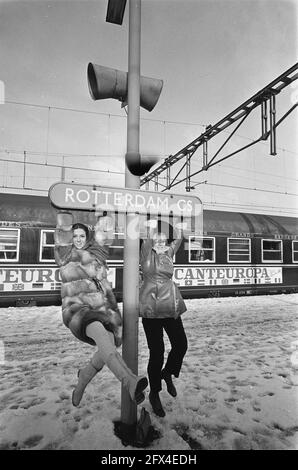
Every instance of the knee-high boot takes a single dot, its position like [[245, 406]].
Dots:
[[133, 383], [85, 376]]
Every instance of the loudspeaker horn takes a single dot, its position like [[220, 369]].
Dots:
[[105, 82]]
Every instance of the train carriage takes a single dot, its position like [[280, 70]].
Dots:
[[234, 254]]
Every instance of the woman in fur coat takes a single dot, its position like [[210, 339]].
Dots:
[[89, 307]]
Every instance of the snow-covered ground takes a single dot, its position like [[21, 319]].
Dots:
[[238, 388]]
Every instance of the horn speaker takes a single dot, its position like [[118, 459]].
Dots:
[[105, 82]]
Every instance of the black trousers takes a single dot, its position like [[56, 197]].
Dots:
[[154, 333]]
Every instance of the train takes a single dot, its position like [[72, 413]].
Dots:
[[234, 254]]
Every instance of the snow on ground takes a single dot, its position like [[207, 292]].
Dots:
[[238, 388]]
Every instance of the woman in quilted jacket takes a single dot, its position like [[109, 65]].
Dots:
[[161, 306], [89, 307]]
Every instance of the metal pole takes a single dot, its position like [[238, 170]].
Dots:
[[24, 174], [187, 186], [131, 244], [168, 176], [272, 126], [205, 153], [264, 119], [63, 169]]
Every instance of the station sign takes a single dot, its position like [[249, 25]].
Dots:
[[74, 196]]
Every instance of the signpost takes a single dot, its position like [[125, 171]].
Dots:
[[74, 196]]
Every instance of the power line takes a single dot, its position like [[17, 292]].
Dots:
[[252, 189], [240, 187], [75, 110], [61, 108], [253, 207], [240, 176], [58, 166], [258, 172], [252, 178], [57, 154]]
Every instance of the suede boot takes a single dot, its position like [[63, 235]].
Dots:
[[156, 404], [85, 376], [133, 384]]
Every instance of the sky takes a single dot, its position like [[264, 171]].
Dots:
[[211, 55]]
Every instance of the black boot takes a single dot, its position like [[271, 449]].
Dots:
[[156, 404], [166, 376]]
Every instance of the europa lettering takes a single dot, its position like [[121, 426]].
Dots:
[[220, 273], [29, 275], [212, 276]]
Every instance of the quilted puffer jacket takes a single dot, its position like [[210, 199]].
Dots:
[[86, 294], [159, 294]]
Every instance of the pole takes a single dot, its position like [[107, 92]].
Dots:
[[272, 126], [264, 119], [24, 174], [63, 169], [131, 244]]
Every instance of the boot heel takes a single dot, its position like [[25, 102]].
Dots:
[[156, 404]]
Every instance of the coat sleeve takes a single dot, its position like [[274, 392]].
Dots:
[[180, 234], [175, 245], [63, 238], [146, 249]]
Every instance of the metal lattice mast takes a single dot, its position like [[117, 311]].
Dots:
[[268, 93]]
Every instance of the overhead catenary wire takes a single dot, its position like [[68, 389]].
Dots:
[[57, 154], [122, 173], [254, 179], [238, 206], [36, 153], [253, 189], [70, 155], [59, 166], [62, 108], [162, 121]]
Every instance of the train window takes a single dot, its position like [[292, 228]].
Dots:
[[9, 244], [239, 250], [47, 245], [272, 250], [295, 251], [201, 249]]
